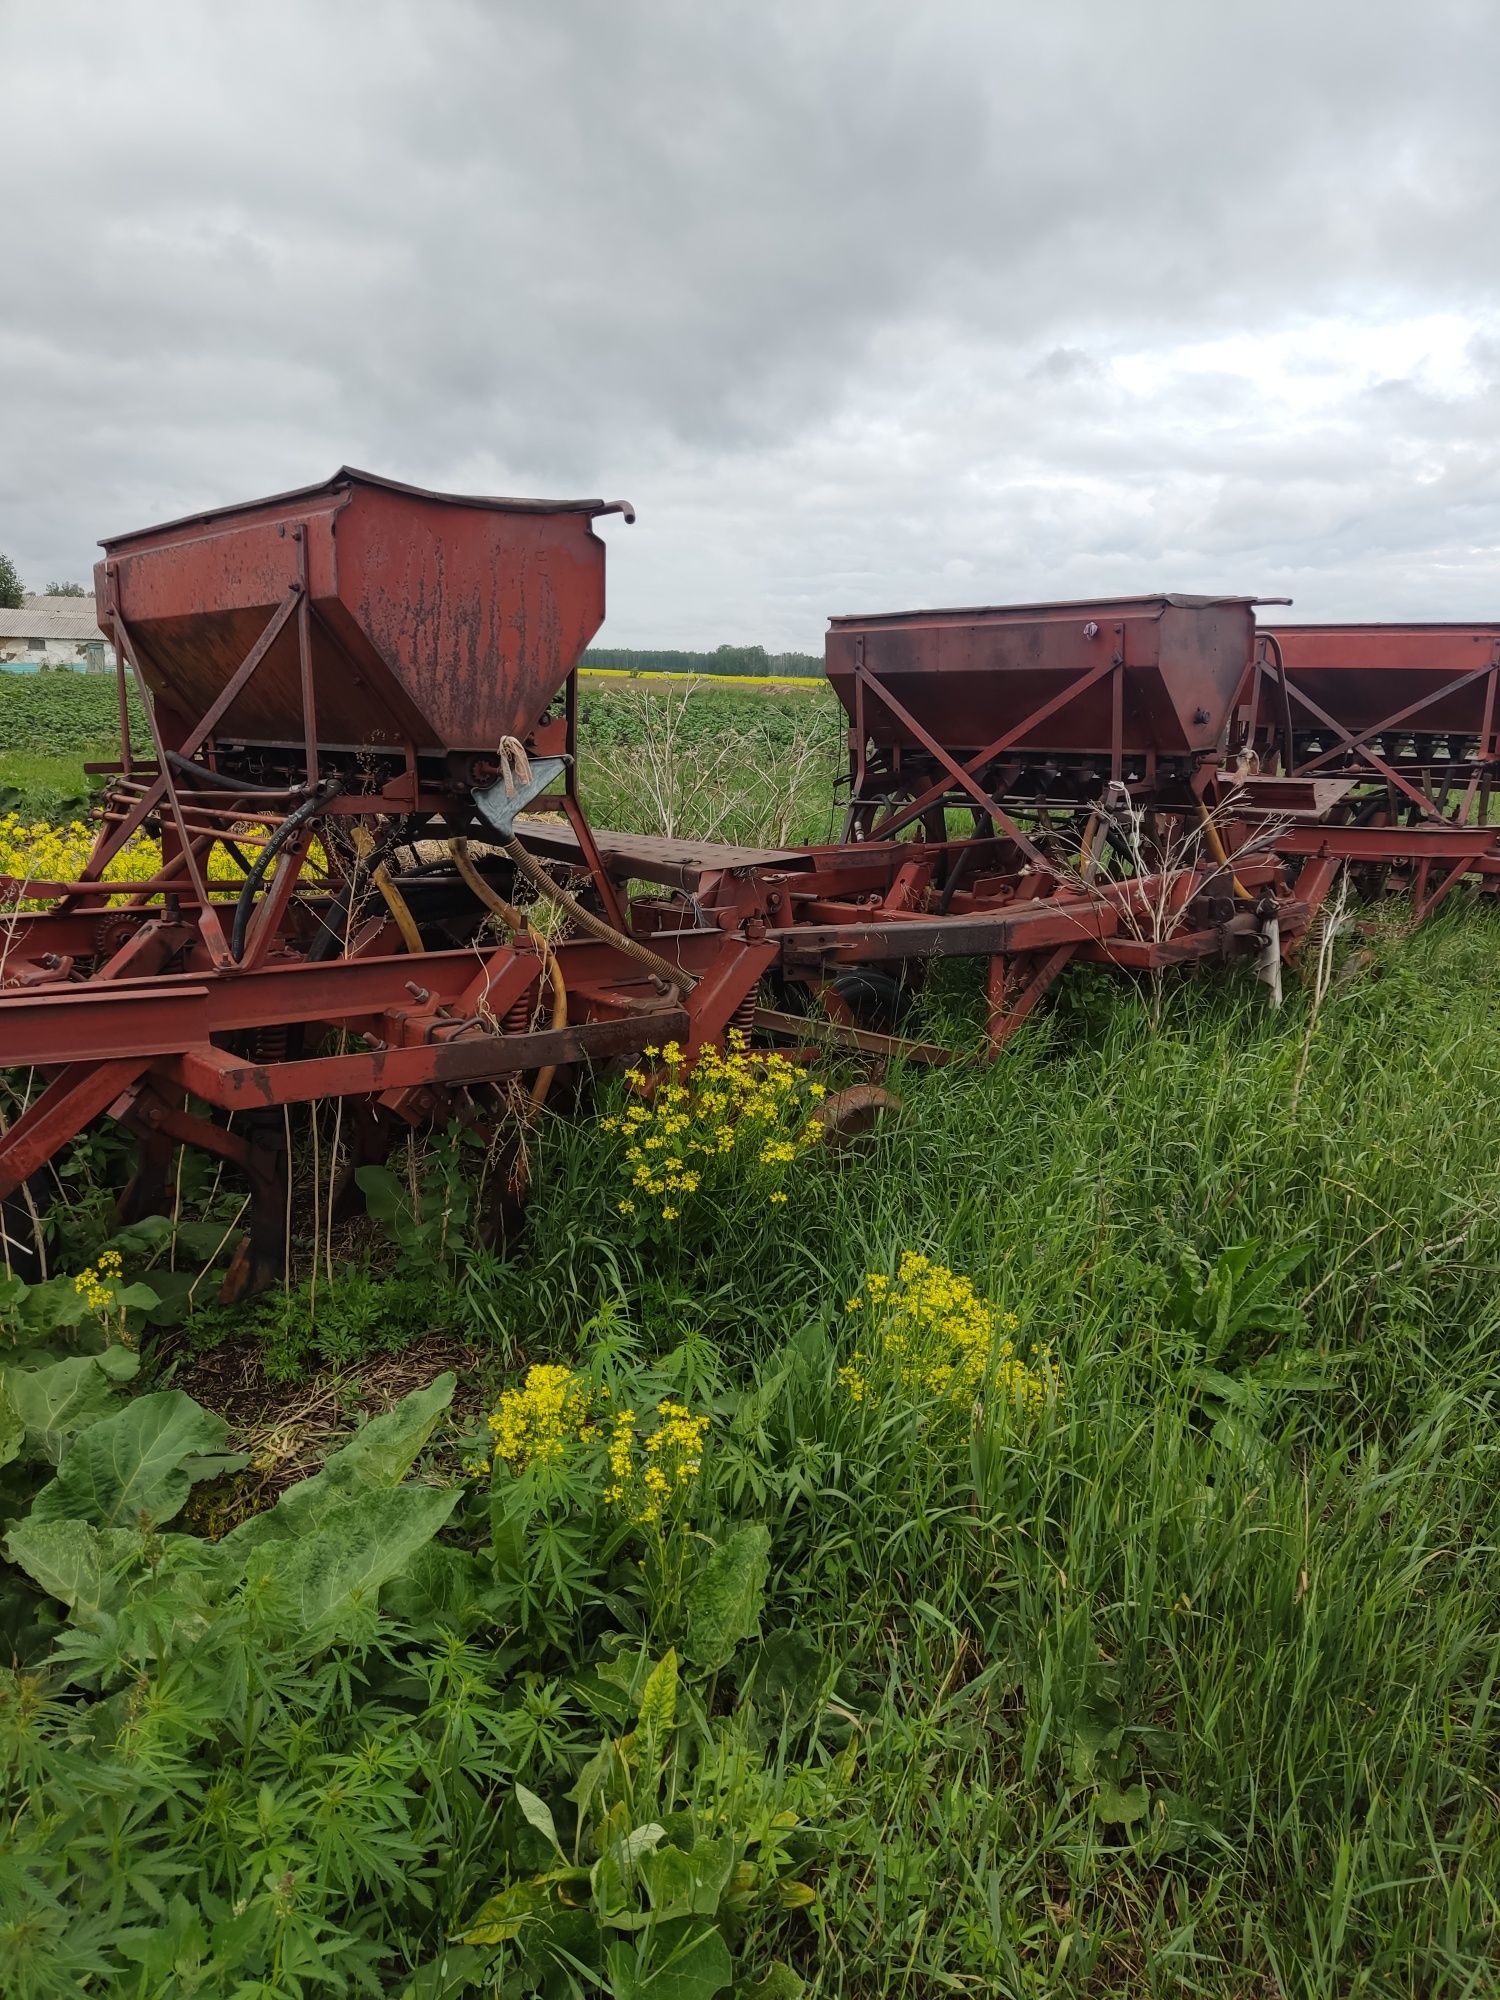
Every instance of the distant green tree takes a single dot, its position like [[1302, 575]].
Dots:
[[12, 596], [741, 660], [66, 590]]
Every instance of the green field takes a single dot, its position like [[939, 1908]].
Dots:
[[1180, 1677]]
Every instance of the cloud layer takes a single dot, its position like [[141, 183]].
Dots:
[[862, 304]]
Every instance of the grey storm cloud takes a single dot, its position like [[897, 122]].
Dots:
[[862, 304]]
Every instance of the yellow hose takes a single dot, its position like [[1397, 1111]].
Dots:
[[1216, 849], [399, 908], [458, 851]]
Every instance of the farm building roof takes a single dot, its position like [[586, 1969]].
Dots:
[[52, 618]]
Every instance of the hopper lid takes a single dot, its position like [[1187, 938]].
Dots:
[[348, 476]]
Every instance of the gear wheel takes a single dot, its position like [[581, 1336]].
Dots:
[[113, 931]]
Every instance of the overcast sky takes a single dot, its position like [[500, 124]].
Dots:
[[864, 305]]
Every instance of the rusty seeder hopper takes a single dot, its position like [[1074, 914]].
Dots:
[[362, 706], [330, 676], [1400, 726]]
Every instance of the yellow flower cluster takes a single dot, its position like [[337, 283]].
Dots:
[[535, 1424], [645, 1472], [731, 1104], [96, 1285], [555, 1410], [933, 1335], [36, 851]]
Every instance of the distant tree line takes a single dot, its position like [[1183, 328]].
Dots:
[[747, 660], [13, 591]]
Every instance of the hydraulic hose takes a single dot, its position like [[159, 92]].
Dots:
[[293, 822], [221, 780], [508, 914], [398, 906], [1216, 849]]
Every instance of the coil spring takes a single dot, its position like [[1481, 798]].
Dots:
[[270, 1044], [743, 1017], [517, 1019]]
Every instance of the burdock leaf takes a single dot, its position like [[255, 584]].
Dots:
[[132, 1467], [724, 1599], [72, 1560], [352, 1551], [12, 1429], [66, 1396], [375, 1458], [1120, 1808]]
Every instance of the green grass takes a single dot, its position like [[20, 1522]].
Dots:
[[1193, 1689], [1254, 1573], [41, 787]]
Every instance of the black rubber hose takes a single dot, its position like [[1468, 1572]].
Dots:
[[290, 825], [220, 778]]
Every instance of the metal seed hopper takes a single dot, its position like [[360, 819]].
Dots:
[[1008, 709], [362, 773]]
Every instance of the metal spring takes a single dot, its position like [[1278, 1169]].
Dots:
[[517, 1019], [270, 1043], [743, 1016]]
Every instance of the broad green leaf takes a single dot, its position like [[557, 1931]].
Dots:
[[659, 1699], [689, 1883], [777, 1982], [66, 1396], [130, 1467], [456, 1971], [757, 1402], [387, 1447], [12, 1426], [137, 1297], [441, 1587], [377, 1457], [795, 1895], [353, 1550], [626, 1671], [613, 1877], [594, 1774], [539, 1815], [505, 1914], [1091, 1737], [136, 1239], [386, 1197], [51, 1306], [791, 1671], [73, 1560], [724, 1599], [694, 1966], [1118, 1807], [346, 1558], [120, 1364], [640, 1840]]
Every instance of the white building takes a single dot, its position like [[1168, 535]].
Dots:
[[54, 632]]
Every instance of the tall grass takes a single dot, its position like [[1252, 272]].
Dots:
[[1196, 1690]]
